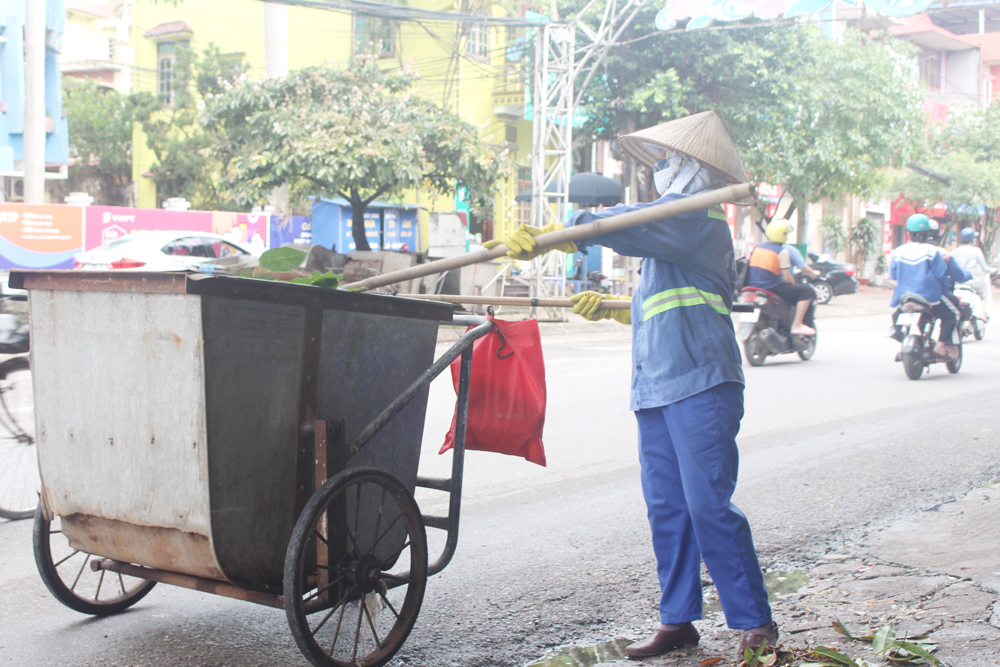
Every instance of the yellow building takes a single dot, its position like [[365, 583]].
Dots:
[[467, 68]]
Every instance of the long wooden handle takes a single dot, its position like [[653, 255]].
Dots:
[[608, 304], [539, 303], [576, 233]]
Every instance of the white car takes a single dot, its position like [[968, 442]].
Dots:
[[166, 251]]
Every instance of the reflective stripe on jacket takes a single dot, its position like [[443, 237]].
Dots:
[[682, 334], [682, 296]]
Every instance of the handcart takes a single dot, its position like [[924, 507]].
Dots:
[[246, 438]]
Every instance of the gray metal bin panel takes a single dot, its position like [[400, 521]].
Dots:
[[366, 361], [122, 447], [253, 365], [145, 468]]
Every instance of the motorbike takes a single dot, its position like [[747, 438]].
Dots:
[[974, 317], [599, 282], [766, 327], [915, 324]]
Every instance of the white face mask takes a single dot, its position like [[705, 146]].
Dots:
[[682, 174]]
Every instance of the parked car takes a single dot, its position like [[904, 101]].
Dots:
[[835, 278], [167, 251]]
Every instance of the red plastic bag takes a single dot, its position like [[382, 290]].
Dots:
[[506, 392]]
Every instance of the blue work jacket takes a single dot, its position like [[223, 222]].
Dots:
[[918, 268], [682, 333]]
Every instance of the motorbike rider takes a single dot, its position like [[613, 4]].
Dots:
[[771, 269], [918, 267], [971, 258], [955, 275], [799, 265]]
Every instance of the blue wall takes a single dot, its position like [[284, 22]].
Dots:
[[331, 226], [12, 86]]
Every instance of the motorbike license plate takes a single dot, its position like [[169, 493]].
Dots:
[[752, 316], [905, 319]]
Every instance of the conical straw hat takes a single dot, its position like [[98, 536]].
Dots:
[[701, 135]]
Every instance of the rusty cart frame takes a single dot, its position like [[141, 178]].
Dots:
[[205, 432]]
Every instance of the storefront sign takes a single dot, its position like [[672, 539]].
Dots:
[[39, 237]]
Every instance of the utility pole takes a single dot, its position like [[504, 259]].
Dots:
[[275, 40], [34, 102], [276, 66]]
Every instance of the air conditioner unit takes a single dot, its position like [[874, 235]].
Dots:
[[13, 189]]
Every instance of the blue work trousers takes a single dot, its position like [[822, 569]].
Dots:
[[689, 463]]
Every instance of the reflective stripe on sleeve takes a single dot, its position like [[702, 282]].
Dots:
[[682, 296], [716, 214]]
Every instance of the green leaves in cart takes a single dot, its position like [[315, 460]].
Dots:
[[282, 259], [330, 280]]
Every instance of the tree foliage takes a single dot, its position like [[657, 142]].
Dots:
[[965, 153], [857, 111], [820, 117], [100, 138], [186, 164], [357, 133]]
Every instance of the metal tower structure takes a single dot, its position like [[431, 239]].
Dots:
[[552, 150], [558, 64]]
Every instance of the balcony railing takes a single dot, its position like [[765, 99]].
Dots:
[[509, 103]]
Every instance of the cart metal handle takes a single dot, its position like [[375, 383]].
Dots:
[[460, 347], [453, 486]]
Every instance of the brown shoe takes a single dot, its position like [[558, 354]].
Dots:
[[662, 641], [752, 639]]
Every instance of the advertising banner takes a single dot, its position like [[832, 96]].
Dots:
[[293, 229], [43, 236], [107, 223], [400, 227]]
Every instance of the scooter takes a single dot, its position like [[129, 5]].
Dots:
[[975, 324], [915, 323], [766, 327]]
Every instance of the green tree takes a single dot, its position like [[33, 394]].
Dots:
[[822, 118], [832, 231], [100, 138], [357, 133], [865, 239], [186, 164], [964, 154], [856, 113]]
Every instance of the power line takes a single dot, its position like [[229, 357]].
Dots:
[[377, 9]]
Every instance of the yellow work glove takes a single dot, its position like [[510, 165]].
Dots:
[[521, 242], [588, 304]]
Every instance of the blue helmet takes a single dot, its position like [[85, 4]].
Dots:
[[918, 222], [967, 234]]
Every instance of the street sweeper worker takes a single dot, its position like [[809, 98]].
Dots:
[[687, 384]]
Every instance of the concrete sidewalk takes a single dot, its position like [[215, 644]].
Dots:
[[936, 573]]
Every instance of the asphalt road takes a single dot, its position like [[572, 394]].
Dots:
[[831, 449]]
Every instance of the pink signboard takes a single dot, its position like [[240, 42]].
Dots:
[[107, 223]]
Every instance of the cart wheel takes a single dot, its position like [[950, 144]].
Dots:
[[19, 482], [68, 577], [355, 570]]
